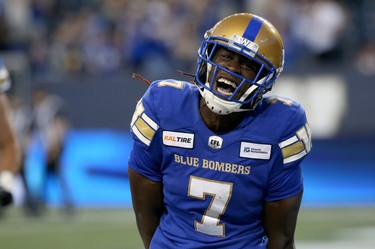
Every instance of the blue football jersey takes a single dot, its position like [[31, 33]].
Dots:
[[215, 184]]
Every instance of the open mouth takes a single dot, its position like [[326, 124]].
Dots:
[[226, 87]]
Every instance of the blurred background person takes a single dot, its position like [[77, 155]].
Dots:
[[49, 126], [320, 29], [20, 119], [9, 147]]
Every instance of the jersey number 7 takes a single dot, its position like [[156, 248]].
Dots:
[[221, 193]]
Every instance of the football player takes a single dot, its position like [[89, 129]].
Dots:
[[217, 164], [9, 148]]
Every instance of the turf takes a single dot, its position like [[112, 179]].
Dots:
[[116, 228]]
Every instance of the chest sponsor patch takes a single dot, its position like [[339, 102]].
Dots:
[[178, 139], [255, 151]]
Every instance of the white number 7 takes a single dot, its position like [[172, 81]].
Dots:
[[221, 193]]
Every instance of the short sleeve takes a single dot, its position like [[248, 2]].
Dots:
[[296, 144], [146, 155], [146, 161], [284, 182], [286, 178]]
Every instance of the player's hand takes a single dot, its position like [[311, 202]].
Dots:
[[6, 197]]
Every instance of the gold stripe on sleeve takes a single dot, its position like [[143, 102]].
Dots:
[[293, 149], [145, 129]]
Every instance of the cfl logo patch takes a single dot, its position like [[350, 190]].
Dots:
[[215, 142]]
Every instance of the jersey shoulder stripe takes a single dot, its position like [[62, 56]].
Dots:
[[290, 127], [142, 125], [156, 106], [298, 146]]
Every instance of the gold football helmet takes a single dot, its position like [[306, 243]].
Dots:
[[252, 37]]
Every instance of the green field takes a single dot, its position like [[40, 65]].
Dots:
[[116, 229]]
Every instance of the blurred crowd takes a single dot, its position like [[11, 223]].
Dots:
[[106, 36]]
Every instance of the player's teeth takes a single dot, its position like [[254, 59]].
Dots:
[[224, 92], [228, 82]]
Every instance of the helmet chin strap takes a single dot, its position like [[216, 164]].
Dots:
[[218, 105]]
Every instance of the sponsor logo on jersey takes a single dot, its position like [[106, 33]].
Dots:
[[178, 139], [215, 142], [255, 151]]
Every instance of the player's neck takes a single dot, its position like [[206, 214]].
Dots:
[[219, 123]]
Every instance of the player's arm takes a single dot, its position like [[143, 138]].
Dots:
[[285, 187], [147, 197], [9, 149], [9, 154], [280, 218]]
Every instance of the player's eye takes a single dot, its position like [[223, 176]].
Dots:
[[226, 56], [250, 65]]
